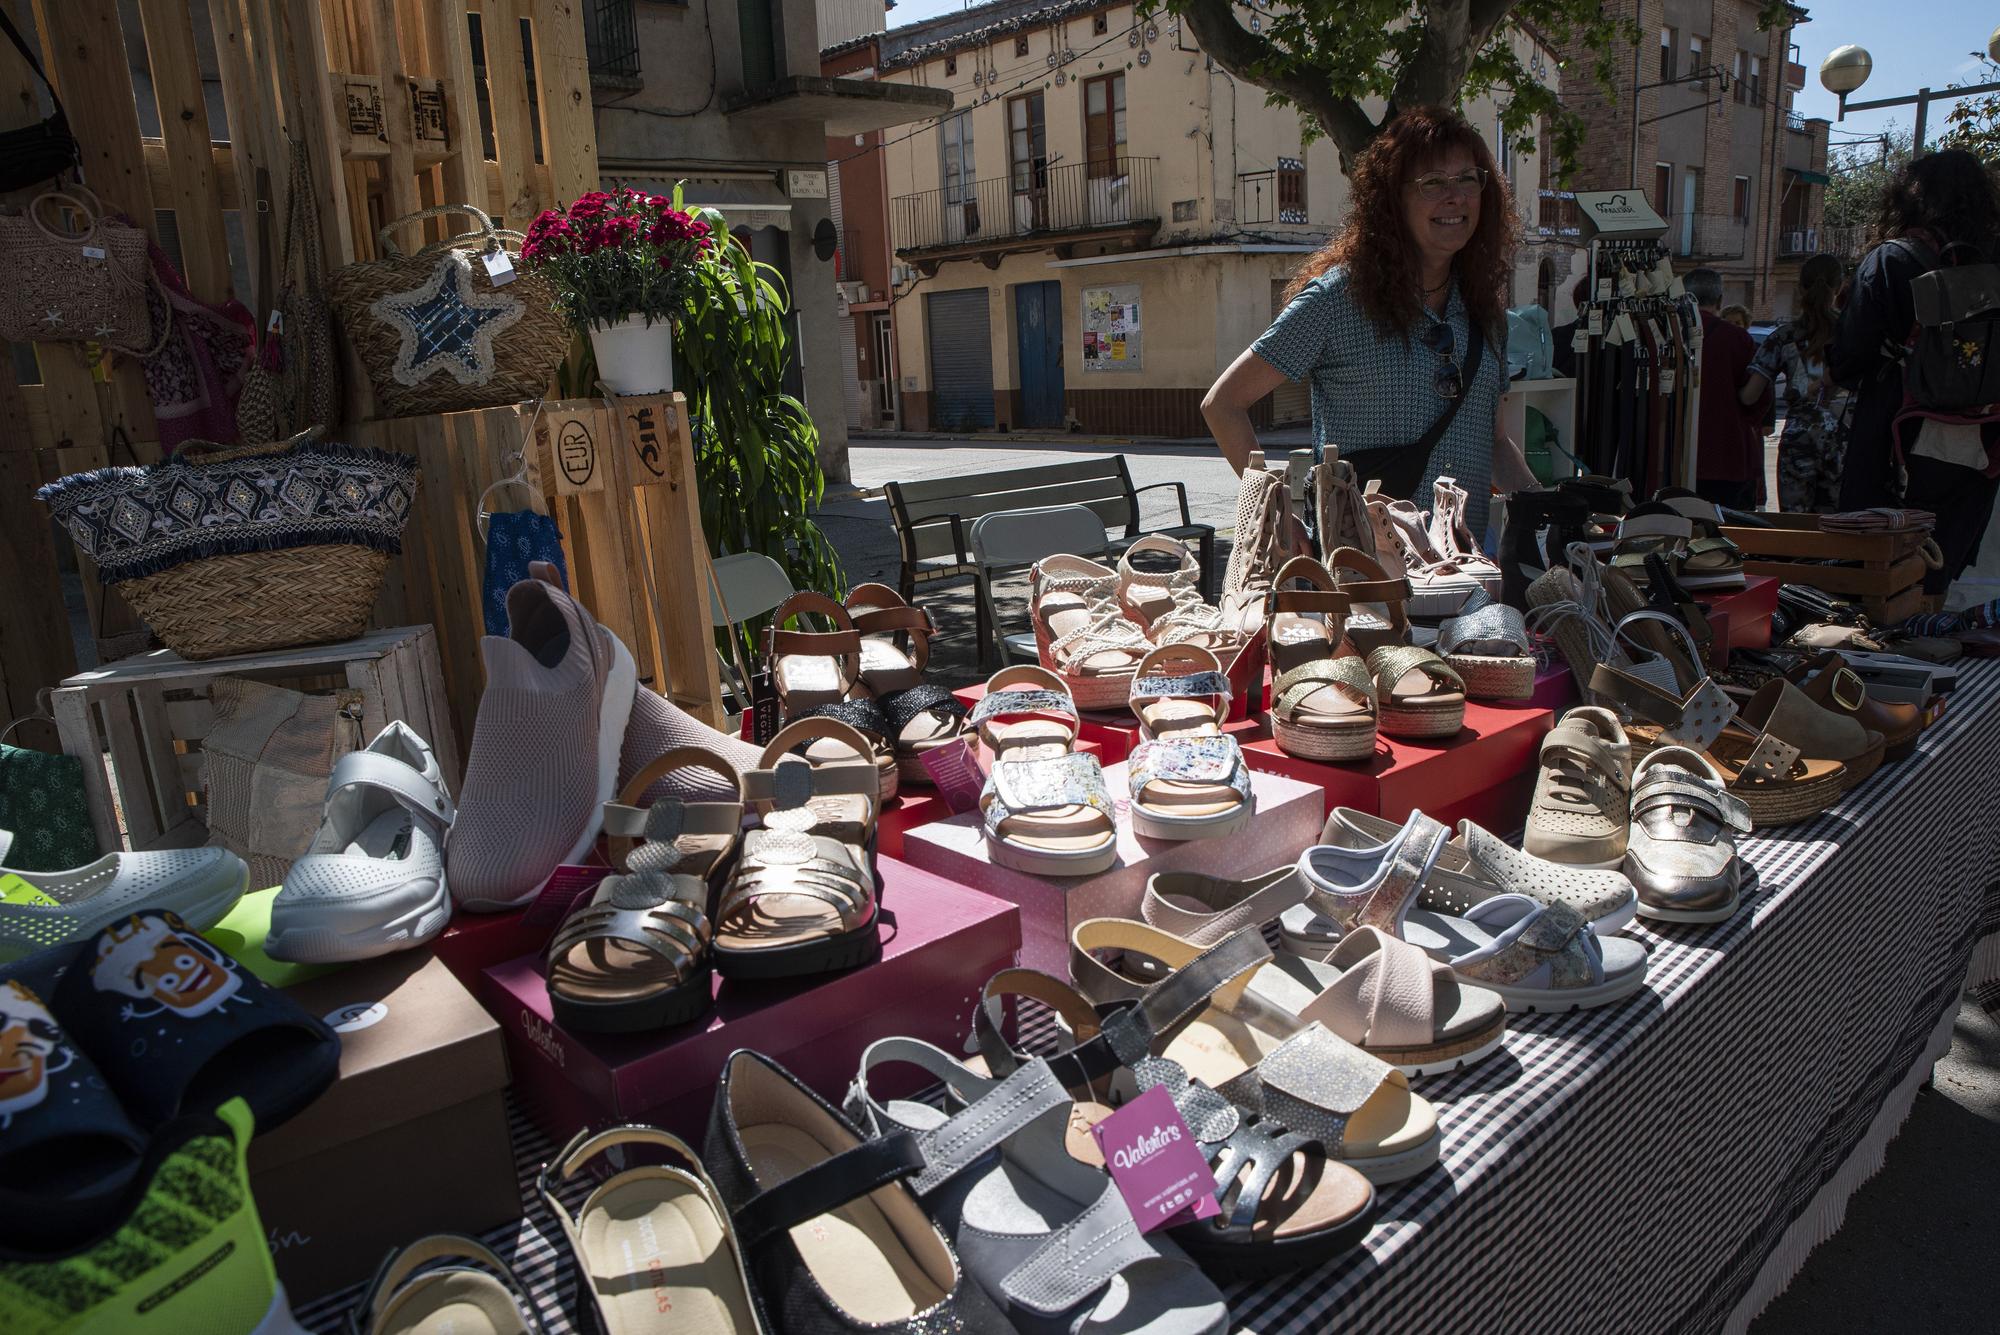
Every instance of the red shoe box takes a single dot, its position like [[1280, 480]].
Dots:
[[1287, 820], [1485, 774], [1745, 614], [940, 943], [476, 941]]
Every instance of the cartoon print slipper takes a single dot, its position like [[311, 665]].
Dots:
[[181, 1027], [66, 1145]]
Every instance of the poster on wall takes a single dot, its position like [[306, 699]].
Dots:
[[1111, 339]]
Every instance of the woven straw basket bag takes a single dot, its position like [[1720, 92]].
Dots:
[[73, 287], [243, 549], [437, 334]]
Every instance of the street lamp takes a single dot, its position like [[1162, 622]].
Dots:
[[1846, 68]]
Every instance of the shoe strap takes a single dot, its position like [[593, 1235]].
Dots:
[[372, 769], [398, 1267], [827, 1186], [1407, 859], [1227, 905], [1495, 623], [994, 1111]]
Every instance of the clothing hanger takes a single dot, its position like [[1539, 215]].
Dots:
[[519, 477]]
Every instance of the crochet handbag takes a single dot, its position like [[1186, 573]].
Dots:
[[294, 378], [436, 331], [231, 551], [75, 287]]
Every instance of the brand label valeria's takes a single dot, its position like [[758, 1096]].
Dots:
[[540, 1033], [1156, 1162]]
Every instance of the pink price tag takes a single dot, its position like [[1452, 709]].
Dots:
[[1156, 1162], [566, 884], [955, 769]]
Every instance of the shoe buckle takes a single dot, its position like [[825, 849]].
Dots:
[[1848, 691]]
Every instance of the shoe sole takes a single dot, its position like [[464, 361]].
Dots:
[[1456, 1062], [1038, 863], [1542, 1001], [307, 944], [1151, 826], [1723, 914]]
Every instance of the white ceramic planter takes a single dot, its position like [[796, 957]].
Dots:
[[634, 357]]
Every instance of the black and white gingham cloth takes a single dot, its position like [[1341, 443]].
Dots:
[[1630, 1168]]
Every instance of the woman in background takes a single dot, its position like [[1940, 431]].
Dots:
[[1809, 453]]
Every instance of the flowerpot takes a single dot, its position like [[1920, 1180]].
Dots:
[[634, 357]]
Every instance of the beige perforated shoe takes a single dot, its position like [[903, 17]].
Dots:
[[1579, 815]]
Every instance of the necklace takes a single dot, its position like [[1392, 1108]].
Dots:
[[1440, 287]]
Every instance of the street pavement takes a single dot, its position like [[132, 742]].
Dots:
[[1916, 1251]]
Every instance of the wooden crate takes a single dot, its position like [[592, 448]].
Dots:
[[618, 474], [137, 725], [1883, 571]]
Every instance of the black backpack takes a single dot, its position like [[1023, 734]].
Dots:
[[1951, 361]]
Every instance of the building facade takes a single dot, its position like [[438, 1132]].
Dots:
[[728, 98], [1101, 224], [1703, 123]]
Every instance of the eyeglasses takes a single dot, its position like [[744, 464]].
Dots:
[[1449, 383], [1433, 188]]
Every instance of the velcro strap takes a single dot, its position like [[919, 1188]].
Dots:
[[372, 769], [1195, 686], [1190, 986], [1080, 1258], [1024, 786], [827, 1186], [1669, 790], [787, 787], [1551, 930], [670, 818], [1588, 747], [1655, 526], [1184, 760], [865, 716], [1323, 1072], [974, 1133], [903, 706], [1326, 602]]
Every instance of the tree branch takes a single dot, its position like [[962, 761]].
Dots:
[[1240, 52]]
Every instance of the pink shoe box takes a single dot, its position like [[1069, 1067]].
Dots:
[[1556, 688], [475, 941], [1475, 775], [1745, 614], [1287, 820], [940, 943]]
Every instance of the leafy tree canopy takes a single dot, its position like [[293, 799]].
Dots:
[[1860, 174], [1329, 58], [1973, 123]]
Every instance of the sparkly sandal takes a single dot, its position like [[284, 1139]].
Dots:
[[1491, 651], [634, 955], [804, 896], [1047, 810], [1323, 697], [895, 650], [1081, 633], [1187, 779], [1167, 605], [1417, 694]]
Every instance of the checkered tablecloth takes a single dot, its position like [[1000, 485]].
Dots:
[[1635, 1168]]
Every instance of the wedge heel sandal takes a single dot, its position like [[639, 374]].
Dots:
[[1186, 777]]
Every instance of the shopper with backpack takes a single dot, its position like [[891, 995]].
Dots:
[[1942, 211]]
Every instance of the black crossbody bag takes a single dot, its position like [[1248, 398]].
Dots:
[[1399, 468], [35, 153]]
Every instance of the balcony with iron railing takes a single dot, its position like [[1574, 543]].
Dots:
[[1556, 218], [1052, 207], [1797, 242], [1260, 201], [847, 256]]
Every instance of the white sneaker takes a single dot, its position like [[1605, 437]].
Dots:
[[373, 880], [39, 909]]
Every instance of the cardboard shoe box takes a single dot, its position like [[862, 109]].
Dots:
[[411, 1138]]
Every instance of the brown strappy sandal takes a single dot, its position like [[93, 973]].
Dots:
[[1417, 694], [895, 650], [804, 896], [634, 955], [1322, 695]]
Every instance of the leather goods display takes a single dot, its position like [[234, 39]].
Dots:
[[441, 331], [87, 285]]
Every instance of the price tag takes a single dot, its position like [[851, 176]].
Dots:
[[499, 266], [93, 252], [1667, 381], [1156, 1162], [1596, 323], [1604, 289], [276, 324], [1627, 331], [1579, 342]]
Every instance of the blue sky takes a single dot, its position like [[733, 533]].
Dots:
[[1908, 55]]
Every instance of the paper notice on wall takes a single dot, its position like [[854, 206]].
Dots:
[[1112, 328]]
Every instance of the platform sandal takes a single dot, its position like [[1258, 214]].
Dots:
[[1206, 1019], [1477, 864], [1453, 537], [1417, 694], [1491, 651], [817, 674], [1775, 781], [868, 718], [652, 1238], [1187, 778], [895, 650], [1046, 808], [1322, 695], [1568, 604], [429, 1287], [1167, 604], [803, 897], [634, 955], [1375, 991], [1538, 957], [1712, 561], [1051, 1240], [1649, 531], [1287, 1202], [1081, 632]]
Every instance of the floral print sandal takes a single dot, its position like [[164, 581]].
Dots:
[[1187, 779], [1047, 810]]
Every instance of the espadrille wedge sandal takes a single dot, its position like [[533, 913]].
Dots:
[[1491, 651], [1081, 632], [1323, 696]]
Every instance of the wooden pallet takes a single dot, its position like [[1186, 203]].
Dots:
[[618, 474], [137, 725], [1883, 570]]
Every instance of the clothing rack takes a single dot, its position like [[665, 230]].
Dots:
[[1638, 367]]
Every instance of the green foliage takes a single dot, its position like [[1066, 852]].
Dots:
[[1860, 174], [756, 448], [1973, 123], [1326, 57]]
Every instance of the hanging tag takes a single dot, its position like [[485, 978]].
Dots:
[[763, 706], [1579, 342], [93, 252], [1156, 1162], [1596, 323], [276, 324], [1627, 331], [1604, 289], [955, 769], [499, 266], [1667, 380]]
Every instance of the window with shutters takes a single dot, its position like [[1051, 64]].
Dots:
[[1104, 124], [955, 150], [1027, 144], [1291, 190], [1021, 45]]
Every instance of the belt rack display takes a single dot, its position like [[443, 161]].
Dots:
[[1638, 367]]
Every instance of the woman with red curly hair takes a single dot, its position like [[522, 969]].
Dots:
[[1385, 319]]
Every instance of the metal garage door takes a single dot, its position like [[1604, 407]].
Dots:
[[961, 360]]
